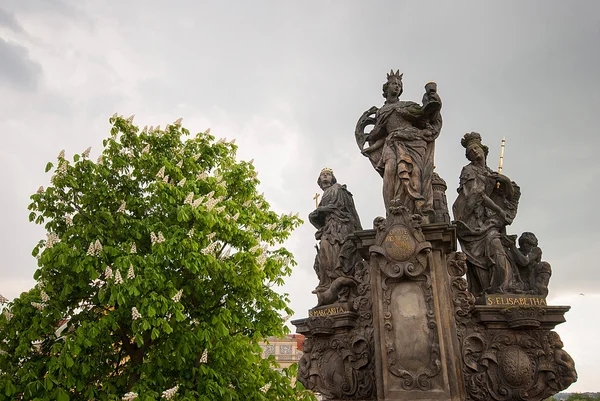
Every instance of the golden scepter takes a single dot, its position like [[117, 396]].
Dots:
[[501, 159], [501, 154]]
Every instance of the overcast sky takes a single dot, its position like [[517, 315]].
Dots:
[[289, 80]]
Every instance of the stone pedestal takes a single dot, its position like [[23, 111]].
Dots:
[[415, 332]]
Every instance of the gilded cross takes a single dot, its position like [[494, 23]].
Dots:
[[316, 198]]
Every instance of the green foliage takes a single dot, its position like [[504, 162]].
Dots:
[[162, 256], [582, 397]]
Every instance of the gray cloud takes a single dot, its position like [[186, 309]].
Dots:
[[16, 67], [8, 20]]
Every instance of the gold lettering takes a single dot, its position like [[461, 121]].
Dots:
[[327, 311]]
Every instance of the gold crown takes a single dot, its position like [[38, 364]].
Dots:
[[327, 169]]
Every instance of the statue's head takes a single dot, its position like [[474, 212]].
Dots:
[[475, 150], [326, 178], [393, 87], [528, 240]]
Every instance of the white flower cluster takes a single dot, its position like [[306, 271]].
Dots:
[[202, 176], [178, 121], [247, 203], [3, 299], [95, 249], [86, 153], [212, 202], [157, 239], [38, 305], [166, 179], [220, 209], [99, 160], [161, 172], [261, 259], [180, 163], [146, 148], [168, 394], [130, 118], [62, 169], [108, 273], [52, 239], [271, 226], [189, 199], [8, 315], [190, 233], [197, 156], [222, 140], [69, 220], [44, 296], [121, 208], [118, 278], [265, 388], [209, 249], [130, 272], [181, 183], [129, 396], [197, 202], [285, 260], [204, 357], [254, 248], [40, 190], [135, 315], [133, 248], [177, 297], [61, 154], [211, 236]]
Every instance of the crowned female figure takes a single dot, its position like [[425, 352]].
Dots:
[[487, 202], [401, 145]]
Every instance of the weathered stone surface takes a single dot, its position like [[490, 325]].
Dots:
[[415, 337], [508, 353]]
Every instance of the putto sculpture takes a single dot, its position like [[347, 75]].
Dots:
[[396, 319], [401, 145]]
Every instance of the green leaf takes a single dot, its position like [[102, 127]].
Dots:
[[62, 395], [49, 166], [68, 361]]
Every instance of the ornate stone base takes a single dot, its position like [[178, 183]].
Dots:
[[415, 332], [338, 359]]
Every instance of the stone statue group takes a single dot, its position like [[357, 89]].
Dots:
[[401, 149], [395, 317]]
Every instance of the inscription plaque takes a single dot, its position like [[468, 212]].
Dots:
[[515, 300], [399, 244], [332, 310]]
